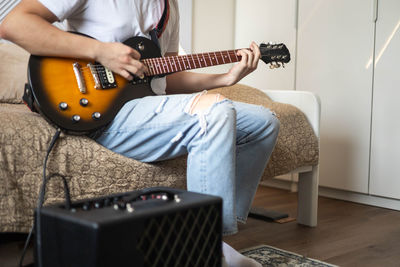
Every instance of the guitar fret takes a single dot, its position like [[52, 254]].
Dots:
[[149, 67], [230, 59], [153, 69], [187, 62], [159, 71], [151, 60], [179, 62], [157, 66], [173, 63], [183, 62], [223, 60], [187, 58], [162, 65], [216, 58], [210, 58], [168, 63], [194, 63], [237, 56], [198, 59], [205, 61], [165, 64]]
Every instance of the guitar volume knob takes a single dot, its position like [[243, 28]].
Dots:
[[84, 102], [63, 106], [96, 115], [76, 118]]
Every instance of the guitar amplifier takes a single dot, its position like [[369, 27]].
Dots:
[[150, 227]]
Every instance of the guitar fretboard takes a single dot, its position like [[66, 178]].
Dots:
[[165, 65]]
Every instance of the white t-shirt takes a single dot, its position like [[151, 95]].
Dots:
[[118, 20]]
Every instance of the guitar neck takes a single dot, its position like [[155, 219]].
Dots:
[[165, 65]]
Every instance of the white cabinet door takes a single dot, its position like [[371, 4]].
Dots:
[[335, 44], [267, 21], [385, 144]]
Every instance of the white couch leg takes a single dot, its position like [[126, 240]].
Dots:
[[308, 197]]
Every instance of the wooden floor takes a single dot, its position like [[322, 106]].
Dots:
[[348, 234]]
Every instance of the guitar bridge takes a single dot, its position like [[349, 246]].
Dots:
[[94, 75]]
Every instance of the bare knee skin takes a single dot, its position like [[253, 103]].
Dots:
[[204, 101]]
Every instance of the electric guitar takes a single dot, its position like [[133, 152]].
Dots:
[[81, 96]]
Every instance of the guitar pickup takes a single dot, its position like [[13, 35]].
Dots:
[[106, 77], [79, 77]]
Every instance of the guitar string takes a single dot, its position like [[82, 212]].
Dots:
[[158, 65], [161, 66], [183, 58]]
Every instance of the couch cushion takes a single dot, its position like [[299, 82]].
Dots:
[[13, 69]]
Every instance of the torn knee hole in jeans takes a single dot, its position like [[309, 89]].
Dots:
[[191, 107], [198, 106]]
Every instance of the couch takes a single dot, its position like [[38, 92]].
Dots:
[[92, 170]]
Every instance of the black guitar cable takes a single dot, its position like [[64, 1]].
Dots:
[[37, 225]]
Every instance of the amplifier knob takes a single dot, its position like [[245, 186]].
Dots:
[[98, 204], [86, 206], [129, 207], [120, 206], [177, 198]]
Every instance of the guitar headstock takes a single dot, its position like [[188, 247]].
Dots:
[[275, 54]]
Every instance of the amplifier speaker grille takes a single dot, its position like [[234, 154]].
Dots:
[[190, 235]]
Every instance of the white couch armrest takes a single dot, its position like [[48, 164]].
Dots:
[[308, 102]]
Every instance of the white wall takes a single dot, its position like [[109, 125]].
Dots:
[[233, 24], [268, 21], [186, 15], [213, 28]]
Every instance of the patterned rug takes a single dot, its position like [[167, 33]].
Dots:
[[270, 256]]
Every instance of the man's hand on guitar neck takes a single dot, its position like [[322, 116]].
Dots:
[[120, 58], [247, 64]]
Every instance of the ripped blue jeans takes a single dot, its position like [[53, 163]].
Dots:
[[228, 145]]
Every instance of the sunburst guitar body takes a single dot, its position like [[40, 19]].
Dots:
[[81, 96]]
